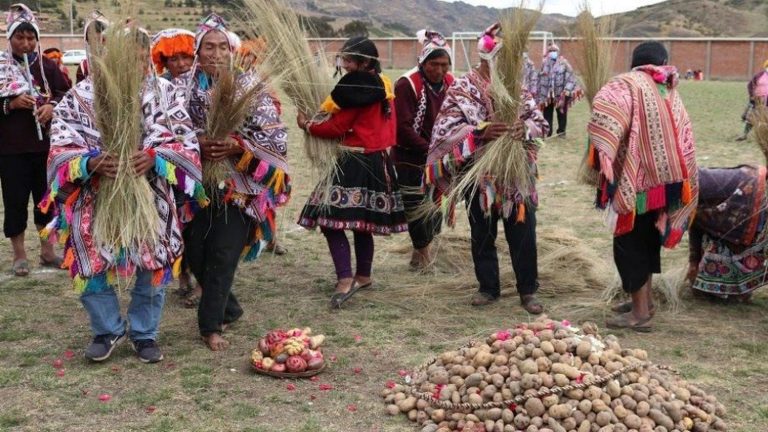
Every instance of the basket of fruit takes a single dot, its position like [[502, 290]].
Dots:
[[294, 353]]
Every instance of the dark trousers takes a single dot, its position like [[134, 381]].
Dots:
[[22, 175], [214, 241], [421, 229], [637, 254], [521, 239], [562, 119]]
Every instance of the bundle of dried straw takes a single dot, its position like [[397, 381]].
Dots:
[[595, 64], [504, 160], [231, 101], [119, 68], [304, 77]]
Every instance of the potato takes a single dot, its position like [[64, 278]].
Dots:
[[528, 366], [584, 349], [603, 418], [661, 419], [632, 421], [559, 411], [473, 380], [550, 401], [475, 399], [534, 407], [643, 408], [585, 426], [395, 410]]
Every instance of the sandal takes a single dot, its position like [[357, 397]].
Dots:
[[622, 321], [531, 304], [339, 298], [21, 268], [54, 263], [627, 307]]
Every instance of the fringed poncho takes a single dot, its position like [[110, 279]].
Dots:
[[168, 136], [640, 135]]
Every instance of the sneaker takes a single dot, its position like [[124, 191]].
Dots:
[[102, 346], [147, 350]]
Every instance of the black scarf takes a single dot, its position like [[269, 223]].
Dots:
[[359, 89]]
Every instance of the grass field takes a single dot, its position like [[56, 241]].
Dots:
[[404, 320]]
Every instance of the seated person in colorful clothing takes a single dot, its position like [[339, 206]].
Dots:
[[728, 235], [168, 156], [242, 212], [461, 129]]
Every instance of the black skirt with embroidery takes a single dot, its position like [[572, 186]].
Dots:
[[364, 197]]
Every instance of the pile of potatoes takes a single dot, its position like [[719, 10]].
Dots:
[[509, 383]]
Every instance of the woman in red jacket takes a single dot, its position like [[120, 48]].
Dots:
[[364, 197]]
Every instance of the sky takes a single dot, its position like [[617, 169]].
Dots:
[[570, 7]]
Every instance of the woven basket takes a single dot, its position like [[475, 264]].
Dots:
[[289, 375]]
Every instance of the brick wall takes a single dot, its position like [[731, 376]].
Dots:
[[723, 59]]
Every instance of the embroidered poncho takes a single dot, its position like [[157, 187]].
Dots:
[[168, 136], [454, 144], [260, 182], [640, 135], [555, 79]]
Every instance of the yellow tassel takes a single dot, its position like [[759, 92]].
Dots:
[[78, 283], [276, 182], [171, 174], [245, 160], [520, 213], [177, 267], [111, 277]]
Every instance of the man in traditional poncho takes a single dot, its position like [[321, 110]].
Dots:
[[419, 95], [530, 76], [28, 94], [757, 89], [173, 51], [642, 144], [169, 157], [465, 124], [728, 238], [558, 89], [241, 217]]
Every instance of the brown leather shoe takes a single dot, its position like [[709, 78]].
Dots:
[[483, 299]]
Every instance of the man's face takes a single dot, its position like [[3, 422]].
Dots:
[[23, 42], [436, 68], [214, 52], [179, 64]]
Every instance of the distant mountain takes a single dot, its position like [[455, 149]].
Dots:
[[710, 18]]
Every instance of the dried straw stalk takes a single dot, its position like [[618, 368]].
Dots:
[[304, 77], [230, 104], [119, 70], [759, 120], [504, 160], [595, 65]]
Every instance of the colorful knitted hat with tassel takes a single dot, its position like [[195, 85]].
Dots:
[[17, 15]]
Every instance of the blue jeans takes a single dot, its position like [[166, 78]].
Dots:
[[144, 311]]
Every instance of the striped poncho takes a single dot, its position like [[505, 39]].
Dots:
[[641, 138]]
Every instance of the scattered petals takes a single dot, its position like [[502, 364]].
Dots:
[[150, 409], [290, 387], [580, 378], [104, 397], [326, 387], [58, 363], [390, 384], [116, 369], [503, 335], [314, 378], [358, 338], [566, 323], [59, 373], [357, 370], [512, 407], [550, 325], [69, 354], [403, 373], [351, 407]]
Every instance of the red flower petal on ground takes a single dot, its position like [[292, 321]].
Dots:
[[358, 338], [357, 370], [325, 387], [403, 373], [150, 409], [58, 363], [59, 373], [580, 379], [566, 323], [512, 407], [69, 354], [314, 378], [116, 369], [290, 387], [104, 397], [550, 325], [390, 384], [351, 407]]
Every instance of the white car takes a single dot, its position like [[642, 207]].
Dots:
[[73, 57]]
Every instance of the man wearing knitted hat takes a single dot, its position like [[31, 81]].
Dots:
[[418, 97], [463, 127], [173, 51], [94, 28], [30, 86], [757, 88], [641, 143], [558, 89]]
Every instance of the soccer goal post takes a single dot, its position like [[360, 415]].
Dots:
[[464, 44]]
